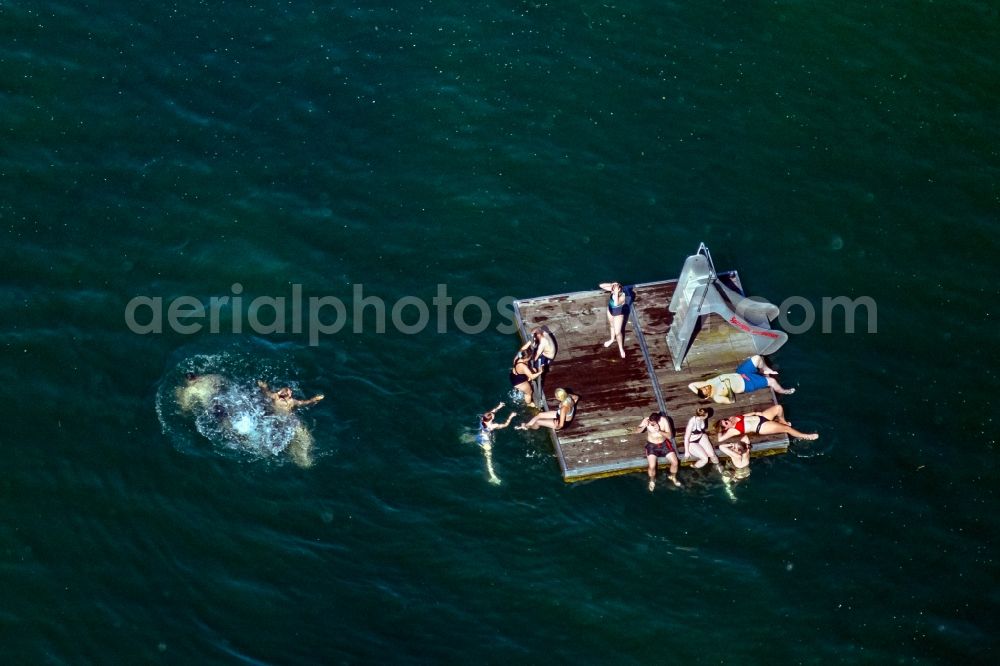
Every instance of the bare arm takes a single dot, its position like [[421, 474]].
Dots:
[[311, 401], [500, 426], [687, 431], [642, 426], [562, 418], [730, 450], [527, 371], [729, 434]]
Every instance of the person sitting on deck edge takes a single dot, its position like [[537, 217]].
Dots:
[[659, 444], [555, 419], [751, 375], [544, 346], [697, 443]]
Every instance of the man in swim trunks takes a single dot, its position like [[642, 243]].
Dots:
[[544, 348], [659, 444], [751, 375]]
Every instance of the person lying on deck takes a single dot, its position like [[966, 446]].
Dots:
[[557, 418], [771, 421], [659, 444], [751, 375]]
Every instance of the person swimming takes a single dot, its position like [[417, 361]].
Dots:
[[487, 424], [230, 415], [739, 455], [198, 390]]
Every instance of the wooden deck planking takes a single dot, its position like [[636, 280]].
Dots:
[[717, 348], [615, 393]]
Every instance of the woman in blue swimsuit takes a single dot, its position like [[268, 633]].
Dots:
[[616, 314]]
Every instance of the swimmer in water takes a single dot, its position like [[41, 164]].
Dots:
[[198, 391], [739, 455], [282, 402], [488, 422]]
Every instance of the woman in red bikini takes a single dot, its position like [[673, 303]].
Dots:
[[771, 421]]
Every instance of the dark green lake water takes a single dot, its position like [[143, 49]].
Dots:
[[505, 149]]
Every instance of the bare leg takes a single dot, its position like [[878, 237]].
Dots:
[[695, 449], [544, 423], [619, 324], [674, 463], [778, 388], [533, 423], [702, 452], [651, 471], [776, 413], [615, 325], [300, 448], [775, 428], [488, 453], [759, 363]]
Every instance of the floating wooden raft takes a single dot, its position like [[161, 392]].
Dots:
[[615, 393]]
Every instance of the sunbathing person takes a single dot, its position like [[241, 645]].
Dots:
[[751, 375], [771, 421]]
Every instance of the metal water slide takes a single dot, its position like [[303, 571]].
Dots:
[[700, 292]]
